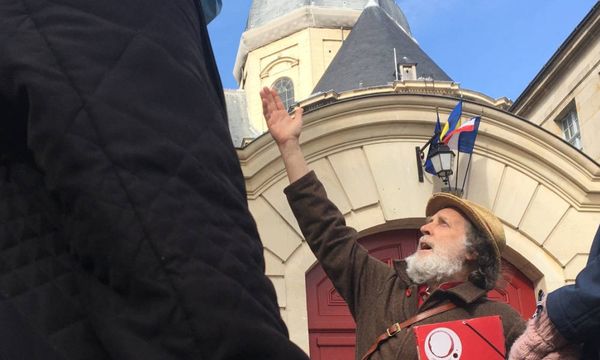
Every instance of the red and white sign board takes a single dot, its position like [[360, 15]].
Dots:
[[479, 338]]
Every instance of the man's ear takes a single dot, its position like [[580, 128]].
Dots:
[[471, 255]]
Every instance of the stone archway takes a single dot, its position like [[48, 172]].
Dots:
[[546, 193]]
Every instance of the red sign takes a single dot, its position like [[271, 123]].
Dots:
[[479, 338]]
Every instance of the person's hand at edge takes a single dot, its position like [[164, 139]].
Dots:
[[541, 340]]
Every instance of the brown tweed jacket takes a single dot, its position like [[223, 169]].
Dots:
[[375, 293]]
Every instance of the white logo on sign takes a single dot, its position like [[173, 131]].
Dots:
[[442, 344]]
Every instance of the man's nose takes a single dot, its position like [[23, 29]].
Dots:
[[425, 229]]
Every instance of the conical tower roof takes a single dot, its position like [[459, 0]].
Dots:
[[366, 58]]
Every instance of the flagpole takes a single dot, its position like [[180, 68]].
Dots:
[[469, 161], [470, 156], [467, 171], [457, 163], [396, 64], [437, 113], [458, 149]]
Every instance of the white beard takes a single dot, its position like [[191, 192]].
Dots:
[[436, 267]]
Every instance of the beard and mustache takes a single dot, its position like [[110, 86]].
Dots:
[[437, 266]]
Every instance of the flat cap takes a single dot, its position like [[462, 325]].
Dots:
[[482, 218]]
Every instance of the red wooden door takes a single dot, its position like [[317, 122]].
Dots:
[[330, 325]]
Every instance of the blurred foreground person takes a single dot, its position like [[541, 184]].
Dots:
[[456, 263], [125, 232], [569, 317]]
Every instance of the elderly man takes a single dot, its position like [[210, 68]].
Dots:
[[457, 260]]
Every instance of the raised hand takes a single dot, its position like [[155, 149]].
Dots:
[[283, 127]]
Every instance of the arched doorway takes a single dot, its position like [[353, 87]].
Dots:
[[330, 325]]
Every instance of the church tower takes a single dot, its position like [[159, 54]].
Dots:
[[289, 45]]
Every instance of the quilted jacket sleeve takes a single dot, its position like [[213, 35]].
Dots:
[[121, 107], [354, 273]]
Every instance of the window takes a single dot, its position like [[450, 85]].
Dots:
[[408, 72], [285, 88], [569, 124]]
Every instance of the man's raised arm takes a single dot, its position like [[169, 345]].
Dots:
[[285, 130]]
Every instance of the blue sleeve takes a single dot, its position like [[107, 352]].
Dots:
[[575, 309]]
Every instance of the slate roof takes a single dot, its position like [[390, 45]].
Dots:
[[239, 121], [263, 11], [366, 58]]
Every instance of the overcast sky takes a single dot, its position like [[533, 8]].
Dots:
[[494, 47]]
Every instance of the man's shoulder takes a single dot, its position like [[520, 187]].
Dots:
[[486, 306]]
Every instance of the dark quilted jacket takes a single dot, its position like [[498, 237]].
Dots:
[[124, 229]]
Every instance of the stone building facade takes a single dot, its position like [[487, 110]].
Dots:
[[361, 139]]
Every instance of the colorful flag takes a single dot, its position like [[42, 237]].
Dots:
[[453, 120], [463, 137], [434, 144]]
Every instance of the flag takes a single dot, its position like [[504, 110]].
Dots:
[[453, 120], [434, 144], [463, 137], [466, 140]]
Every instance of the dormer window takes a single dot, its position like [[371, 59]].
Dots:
[[407, 69], [408, 72]]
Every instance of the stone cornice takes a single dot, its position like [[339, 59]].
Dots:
[[410, 118]]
